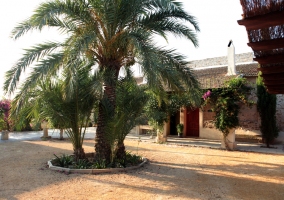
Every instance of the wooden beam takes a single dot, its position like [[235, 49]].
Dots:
[[271, 70], [270, 59], [275, 87], [263, 21], [273, 82], [278, 76], [267, 44], [275, 91]]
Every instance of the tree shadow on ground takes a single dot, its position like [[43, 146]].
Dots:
[[199, 182], [192, 175], [22, 163]]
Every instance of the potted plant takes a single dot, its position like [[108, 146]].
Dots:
[[180, 130]]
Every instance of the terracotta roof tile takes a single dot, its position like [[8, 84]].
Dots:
[[212, 77], [249, 69], [215, 77]]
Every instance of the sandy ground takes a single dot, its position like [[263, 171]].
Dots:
[[173, 172]]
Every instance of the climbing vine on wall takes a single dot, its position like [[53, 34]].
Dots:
[[226, 101]]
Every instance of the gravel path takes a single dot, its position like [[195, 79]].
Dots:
[[173, 172]]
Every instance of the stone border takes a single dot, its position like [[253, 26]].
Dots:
[[94, 171]]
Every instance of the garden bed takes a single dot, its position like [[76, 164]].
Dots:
[[53, 165]]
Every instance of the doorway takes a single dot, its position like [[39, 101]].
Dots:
[[192, 122], [174, 121]]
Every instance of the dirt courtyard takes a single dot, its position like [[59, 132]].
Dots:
[[173, 172]]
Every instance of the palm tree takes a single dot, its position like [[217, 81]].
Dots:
[[112, 34], [130, 101], [66, 101]]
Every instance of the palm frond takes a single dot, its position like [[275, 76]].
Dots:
[[47, 14], [33, 54]]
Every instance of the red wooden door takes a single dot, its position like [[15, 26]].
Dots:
[[192, 123]]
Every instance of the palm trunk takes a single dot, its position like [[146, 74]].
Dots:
[[102, 145], [79, 153], [121, 154], [61, 134]]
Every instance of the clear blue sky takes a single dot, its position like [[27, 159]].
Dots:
[[217, 20]]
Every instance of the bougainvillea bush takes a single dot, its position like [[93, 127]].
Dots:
[[225, 102]]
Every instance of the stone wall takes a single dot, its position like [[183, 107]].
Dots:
[[207, 113], [280, 111], [208, 117], [248, 117], [240, 58]]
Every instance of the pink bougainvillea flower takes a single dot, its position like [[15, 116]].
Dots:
[[206, 95]]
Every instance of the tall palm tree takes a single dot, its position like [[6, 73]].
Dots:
[[112, 34], [130, 101]]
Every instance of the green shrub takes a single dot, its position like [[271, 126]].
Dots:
[[82, 164], [99, 164], [225, 103], [266, 106], [180, 128], [64, 160], [132, 159]]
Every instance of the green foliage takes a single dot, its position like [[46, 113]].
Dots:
[[2, 123], [266, 107], [120, 34], [82, 164], [107, 35], [129, 160], [160, 106], [180, 128], [130, 100], [68, 161], [225, 103], [132, 159], [156, 112], [5, 120], [64, 160], [66, 102], [99, 164]]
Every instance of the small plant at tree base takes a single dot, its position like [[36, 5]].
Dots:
[[64, 160], [99, 164], [82, 164], [132, 159]]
